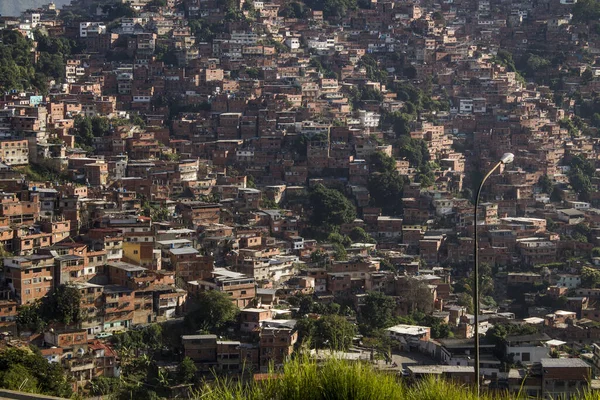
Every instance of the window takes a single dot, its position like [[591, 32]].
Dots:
[[135, 252]]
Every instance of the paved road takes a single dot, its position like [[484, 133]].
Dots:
[[403, 360]]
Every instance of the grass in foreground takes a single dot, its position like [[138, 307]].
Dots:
[[303, 379]]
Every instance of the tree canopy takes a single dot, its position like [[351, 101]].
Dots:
[[381, 162], [358, 234], [25, 370], [186, 371], [545, 183], [16, 67], [377, 312], [414, 150], [586, 11], [329, 331], [213, 312], [330, 207], [61, 305], [590, 278], [386, 190], [579, 177], [332, 8]]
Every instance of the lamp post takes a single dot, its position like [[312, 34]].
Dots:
[[506, 158]]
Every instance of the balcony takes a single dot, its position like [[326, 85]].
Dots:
[[82, 366]]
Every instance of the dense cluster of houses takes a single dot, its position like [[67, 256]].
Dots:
[[217, 131]]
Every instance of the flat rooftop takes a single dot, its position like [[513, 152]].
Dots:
[[408, 329]]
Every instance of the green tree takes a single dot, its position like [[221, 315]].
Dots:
[[118, 10], [29, 318], [590, 277], [306, 328], [381, 162], [186, 371], [465, 300], [84, 132], [318, 257], [100, 126], [545, 183], [253, 73], [52, 64], [49, 378], [136, 119], [166, 54], [330, 207], [104, 386], [581, 183], [569, 125], [374, 71], [377, 312], [587, 75], [335, 237], [334, 332], [386, 190], [556, 195], [62, 305], [18, 377], [505, 58], [414, 150], [332, 8], [398, 122], [213, 312], [439, 329], [534, 64], [586, 10], [416, 294], [17, 70], [152, 336], [438, 16], [426, 175], [359, 235], [340, 253], [293, 9]]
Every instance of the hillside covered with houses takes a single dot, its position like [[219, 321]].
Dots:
[[201, 187]]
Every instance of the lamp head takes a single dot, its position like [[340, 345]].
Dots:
[[507, 158]]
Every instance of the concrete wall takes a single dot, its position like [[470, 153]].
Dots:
[[10, 394]]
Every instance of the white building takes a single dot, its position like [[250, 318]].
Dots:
[[293, 43], [528, 349], [569, 281], [409, 335], [91, 28], [320, 43], [368, 118]]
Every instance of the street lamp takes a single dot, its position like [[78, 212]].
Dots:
[[506, 158]]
